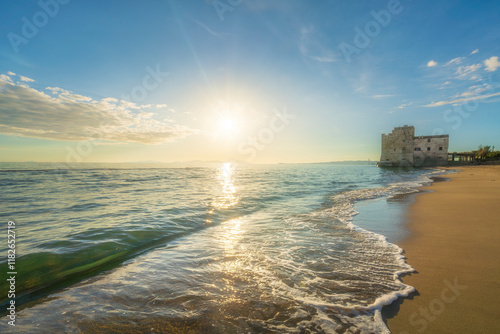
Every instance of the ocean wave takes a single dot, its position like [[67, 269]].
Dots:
[[222, 250]]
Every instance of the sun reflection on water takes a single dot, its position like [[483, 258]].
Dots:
[[228, 197], [227, 194], [233, 232]]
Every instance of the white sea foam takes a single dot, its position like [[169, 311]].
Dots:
[[347, 213]]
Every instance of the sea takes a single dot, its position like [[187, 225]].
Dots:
[[214, 248]]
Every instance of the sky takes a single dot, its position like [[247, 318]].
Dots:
[[258, 81]]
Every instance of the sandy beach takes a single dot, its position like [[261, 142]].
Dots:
[[455, 248]]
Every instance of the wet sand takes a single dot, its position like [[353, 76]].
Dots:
[[454, 246]]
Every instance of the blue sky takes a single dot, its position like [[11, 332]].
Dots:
[[247, 80]]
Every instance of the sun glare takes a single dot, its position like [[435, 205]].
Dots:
[[227, 127], [227, 120]]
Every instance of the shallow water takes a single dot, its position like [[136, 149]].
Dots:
[[218, 249]]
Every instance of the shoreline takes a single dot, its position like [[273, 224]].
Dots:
[[453, 244]]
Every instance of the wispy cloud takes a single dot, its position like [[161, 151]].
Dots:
[[445, 85], [10, 74], [460, 70], [432, 63], [455, 61], [66, 94], [492, 64], [26, 79], [404, 105], [463, 71], [400, 107], [382, 96], [5, 78], [326, 59], [63, 115], [311, 46], [475, 90], [461, 100]]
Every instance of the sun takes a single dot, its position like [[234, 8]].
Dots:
[[228, 121], [227, 127]]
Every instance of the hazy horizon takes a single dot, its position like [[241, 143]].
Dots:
[[189, 162]]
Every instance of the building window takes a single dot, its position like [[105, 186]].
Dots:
[[428, 148], [417, 148], [428, 140], [440, 148]]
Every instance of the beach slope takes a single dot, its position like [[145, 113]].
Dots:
[[455, 248]]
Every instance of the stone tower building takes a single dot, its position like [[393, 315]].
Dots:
[[401, 148]]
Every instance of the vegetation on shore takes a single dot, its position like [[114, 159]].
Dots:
[[486, 153]]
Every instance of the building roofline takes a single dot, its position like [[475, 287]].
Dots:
[[426, 137]]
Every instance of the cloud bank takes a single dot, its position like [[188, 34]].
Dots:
[[58, 114]]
